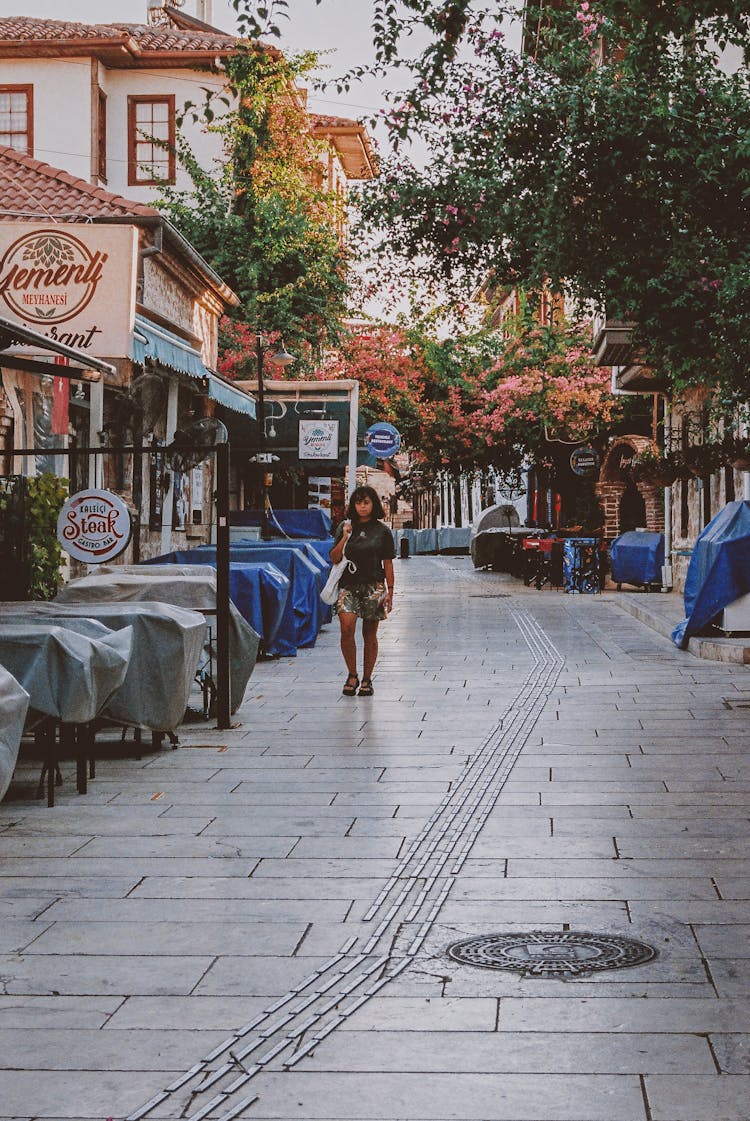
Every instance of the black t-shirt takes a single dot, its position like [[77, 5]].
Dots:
[[369, 545]]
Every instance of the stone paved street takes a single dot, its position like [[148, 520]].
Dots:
[[256, 924]]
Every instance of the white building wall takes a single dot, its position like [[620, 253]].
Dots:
[[186, 87], [62, 109], [63, 115]]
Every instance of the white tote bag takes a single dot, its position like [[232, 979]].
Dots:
[[330, 591]]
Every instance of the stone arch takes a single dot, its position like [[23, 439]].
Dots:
[[614, 481]]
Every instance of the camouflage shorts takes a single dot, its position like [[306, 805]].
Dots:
[[367, 601]]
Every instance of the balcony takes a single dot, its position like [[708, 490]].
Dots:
[[613, 342]]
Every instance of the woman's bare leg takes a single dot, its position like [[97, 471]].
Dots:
[[348, 621], [370, 635]]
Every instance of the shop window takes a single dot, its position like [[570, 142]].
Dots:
[[17, 118], [151, 140]]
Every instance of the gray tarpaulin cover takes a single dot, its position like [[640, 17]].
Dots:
[[67, 675], [161, 569], [197, 593], [14, 701], [167, 643]]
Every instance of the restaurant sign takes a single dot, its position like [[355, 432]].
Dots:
[[584, 461], [318, 439], [73, 283], [94, 526], [382, 440]]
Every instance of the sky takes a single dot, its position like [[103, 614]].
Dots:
[[339, 25]]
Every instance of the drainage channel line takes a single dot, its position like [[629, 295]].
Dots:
[[537, 689], [421, 838], [199, 1067], [464, 811], [500, 731]]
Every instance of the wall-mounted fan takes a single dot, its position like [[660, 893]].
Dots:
[[193, 443], [139, 408]]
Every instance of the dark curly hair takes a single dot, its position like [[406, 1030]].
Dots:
[[365, 492]]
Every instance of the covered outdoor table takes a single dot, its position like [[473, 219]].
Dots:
[[637, 558], [316, 552], [14, 703], [67, 675], [421, 541], [719, 570], [166, 647], [195, 593], [259, 593], [288, 523], [301, 620]]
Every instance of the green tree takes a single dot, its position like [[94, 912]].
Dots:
[[480, 399], [260, 217], [621, 175]]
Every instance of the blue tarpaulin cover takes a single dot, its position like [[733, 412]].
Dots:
[[293, 523], [637, 558], [259, 592], [315, 551], [719, 571], [302, 617]]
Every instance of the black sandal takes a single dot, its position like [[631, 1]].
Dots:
[[366, 689], [349, 690]]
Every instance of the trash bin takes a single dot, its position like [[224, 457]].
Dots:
[[404, 548]]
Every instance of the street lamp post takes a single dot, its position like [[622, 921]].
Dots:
[[280, 358]]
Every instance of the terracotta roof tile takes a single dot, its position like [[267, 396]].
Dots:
[[162, 37], [29, 188], [156, 37], [28, 29]]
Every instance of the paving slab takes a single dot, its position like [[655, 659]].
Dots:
[[536, 762]]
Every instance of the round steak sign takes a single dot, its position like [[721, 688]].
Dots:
[[382, 440], [94, 526], [49, 276]]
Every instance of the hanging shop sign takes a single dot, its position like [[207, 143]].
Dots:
[[94, 526], [318, 439], [382, 440], [584, 461], [73, 283]]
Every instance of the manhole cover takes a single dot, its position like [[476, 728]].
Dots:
[[544, 953]]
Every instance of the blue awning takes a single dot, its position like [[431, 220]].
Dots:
[[228, 395], [166, 348], [174, 353]]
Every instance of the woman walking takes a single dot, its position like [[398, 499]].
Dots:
[[367, 593]]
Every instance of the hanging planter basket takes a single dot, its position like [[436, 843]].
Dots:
[[737, 453], [654, 471], [701, 460]]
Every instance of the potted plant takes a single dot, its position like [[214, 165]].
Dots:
[[657, 470]]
